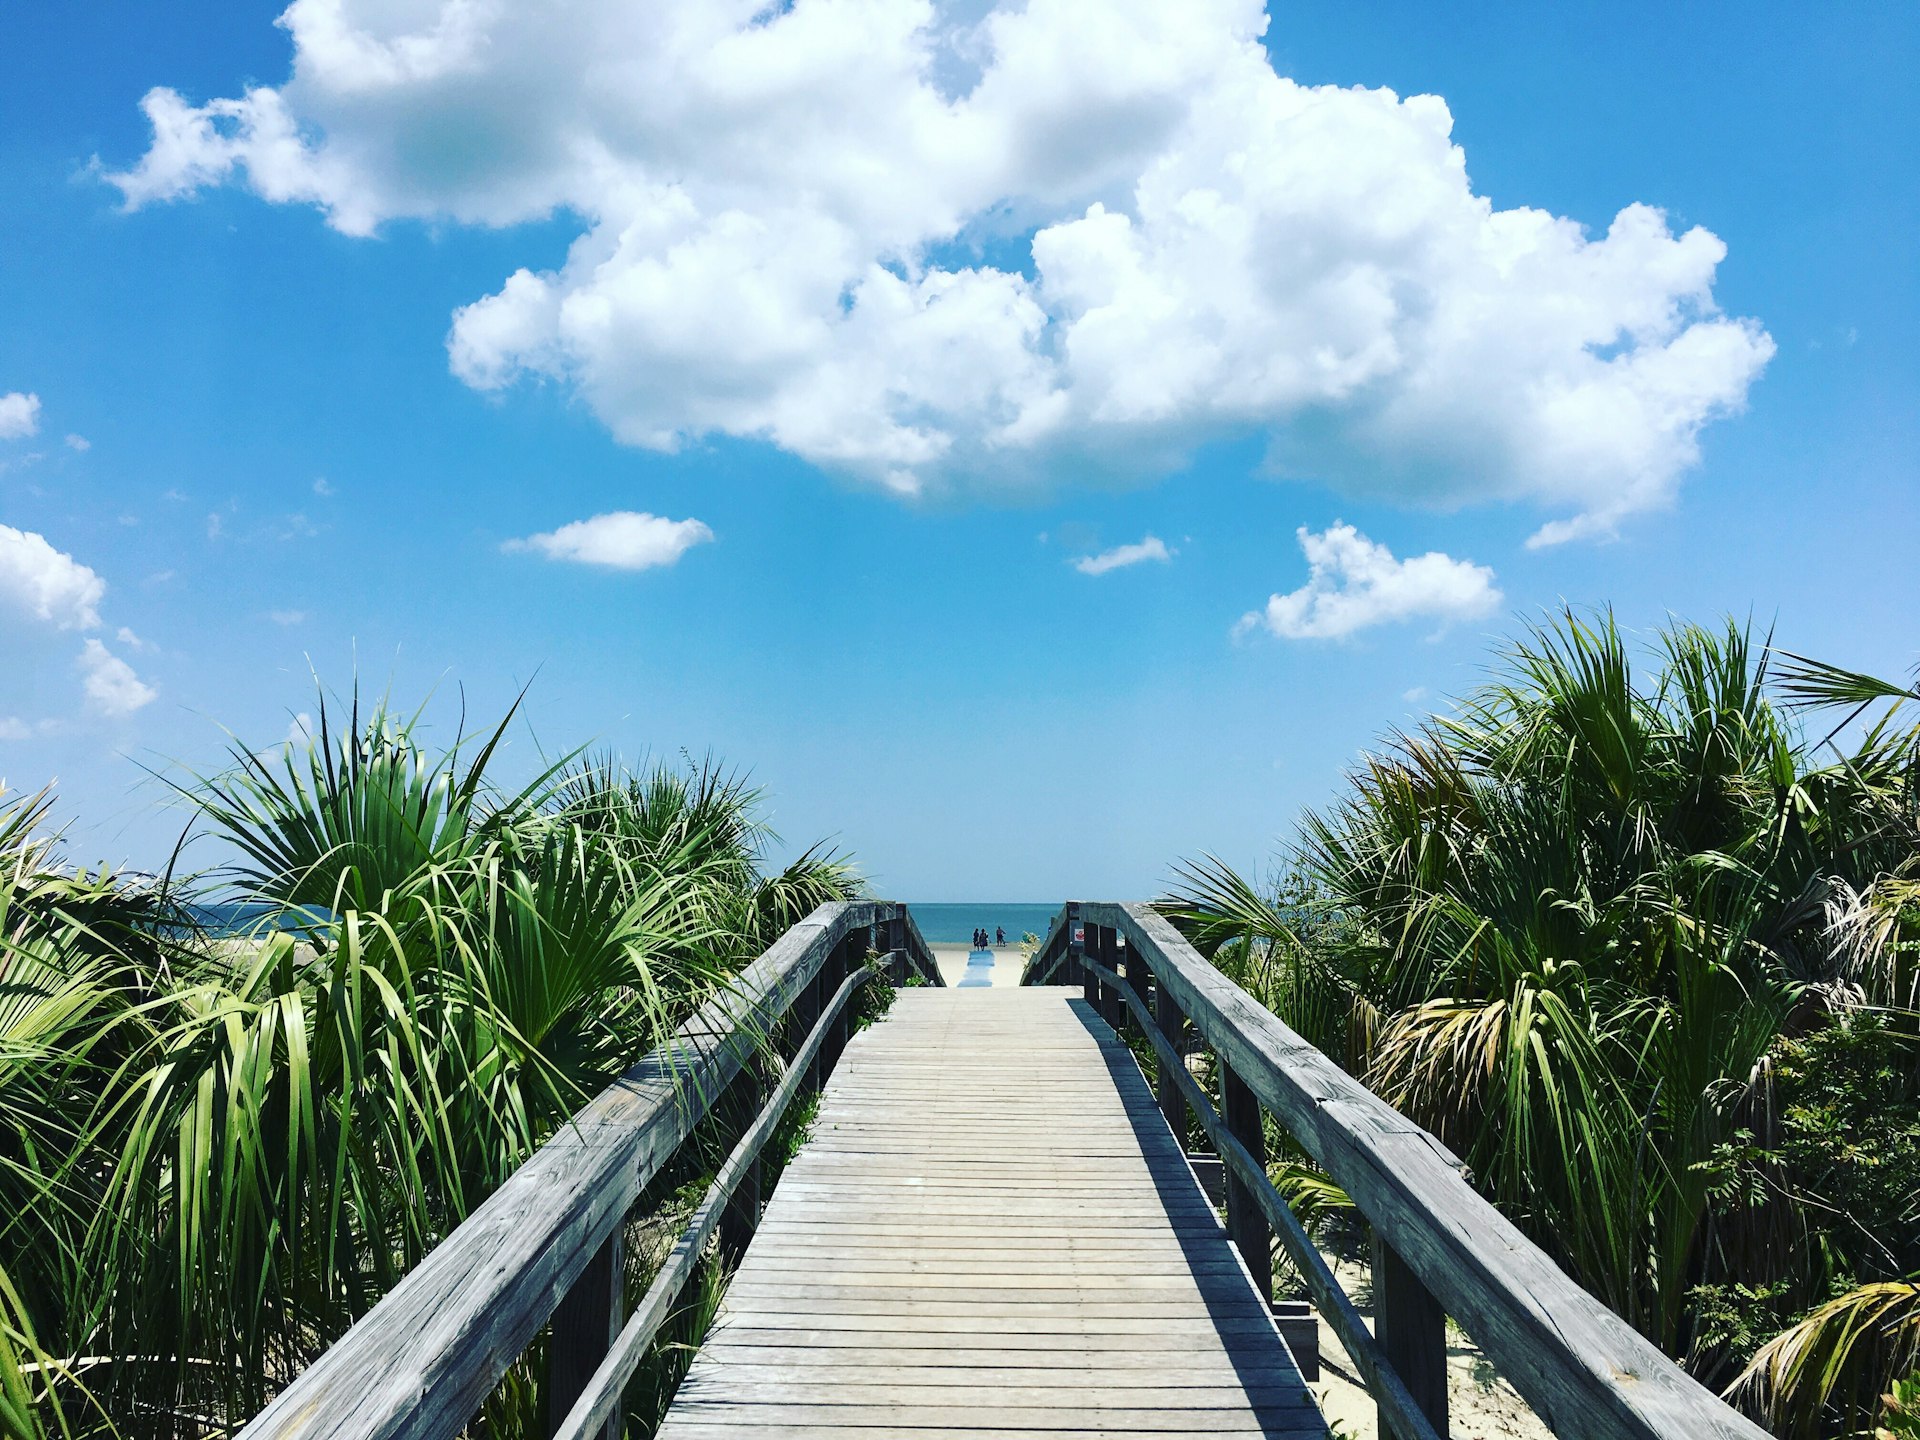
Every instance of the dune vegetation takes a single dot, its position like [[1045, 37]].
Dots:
[[218, 1150], [1638, 935], [1635, 931]]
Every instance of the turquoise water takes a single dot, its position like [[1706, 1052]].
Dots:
[[942, 922], [953, 923]]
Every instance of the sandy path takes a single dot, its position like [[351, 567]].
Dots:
[[956, 967]]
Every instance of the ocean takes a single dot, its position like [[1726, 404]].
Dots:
[[953, 922], [942, 923]]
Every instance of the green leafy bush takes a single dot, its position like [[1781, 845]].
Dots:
[[216, 1151], [1616, 929]]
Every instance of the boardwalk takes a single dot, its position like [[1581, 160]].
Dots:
[[991, 1232]]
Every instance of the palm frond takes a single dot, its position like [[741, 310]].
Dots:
[[1826, 1375], [1817, 684]]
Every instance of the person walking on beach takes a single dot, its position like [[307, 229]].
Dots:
[[1000, 935]]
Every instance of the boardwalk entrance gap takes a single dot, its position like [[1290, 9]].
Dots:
[[993, 1229]]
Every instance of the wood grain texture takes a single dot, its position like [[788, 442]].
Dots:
[[585, 1323], [993, 1230], [990, 1231], [419, 1364], [1173, 1025], [1586, 1373], [1397, 1404], [596, 1409], [1412, 1329], [1252, 1236]]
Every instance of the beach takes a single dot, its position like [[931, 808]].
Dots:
[[946, 924], [958, 970]]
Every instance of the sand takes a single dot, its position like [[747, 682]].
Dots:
[[1480, 1405], [952, 960]]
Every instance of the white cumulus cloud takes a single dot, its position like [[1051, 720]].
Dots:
[[1354, 583], [19, 415], [48, 584], [621, 540], [112, 687], [939, 249], [1121, 556]]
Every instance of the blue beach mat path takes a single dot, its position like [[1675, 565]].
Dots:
[[980, 965]]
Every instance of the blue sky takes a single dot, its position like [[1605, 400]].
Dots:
[[806, 279]]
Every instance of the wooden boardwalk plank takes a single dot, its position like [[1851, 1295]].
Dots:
[[990, 1232]]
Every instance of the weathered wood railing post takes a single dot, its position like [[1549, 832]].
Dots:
[[1119, 958], [896, 944], [1051, 959], [1076, 947], [1112, 1008], [1252, 1236], [832, 971], [1586, 1373], [1100, 948], [583, 1328], [742, 1214], [1412, 1330], [805, 1011], [852, 955], [1173, 1024], [541, 1257]]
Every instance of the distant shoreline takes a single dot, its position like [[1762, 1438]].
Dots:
[[952, 922]]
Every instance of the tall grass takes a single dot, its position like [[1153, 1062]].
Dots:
[[216, 1152], [1568, 927]]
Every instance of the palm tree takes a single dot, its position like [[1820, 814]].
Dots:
[[666, 815], [217, 1151], [1836, 1362], [1566, 925]]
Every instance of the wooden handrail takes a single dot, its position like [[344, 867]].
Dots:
[[1586, 1372], [599, 1401], [1047, 965], [421, 1363], [1396, 1404]]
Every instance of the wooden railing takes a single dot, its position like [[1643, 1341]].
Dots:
[[1439, 1248], [545, 1249]]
